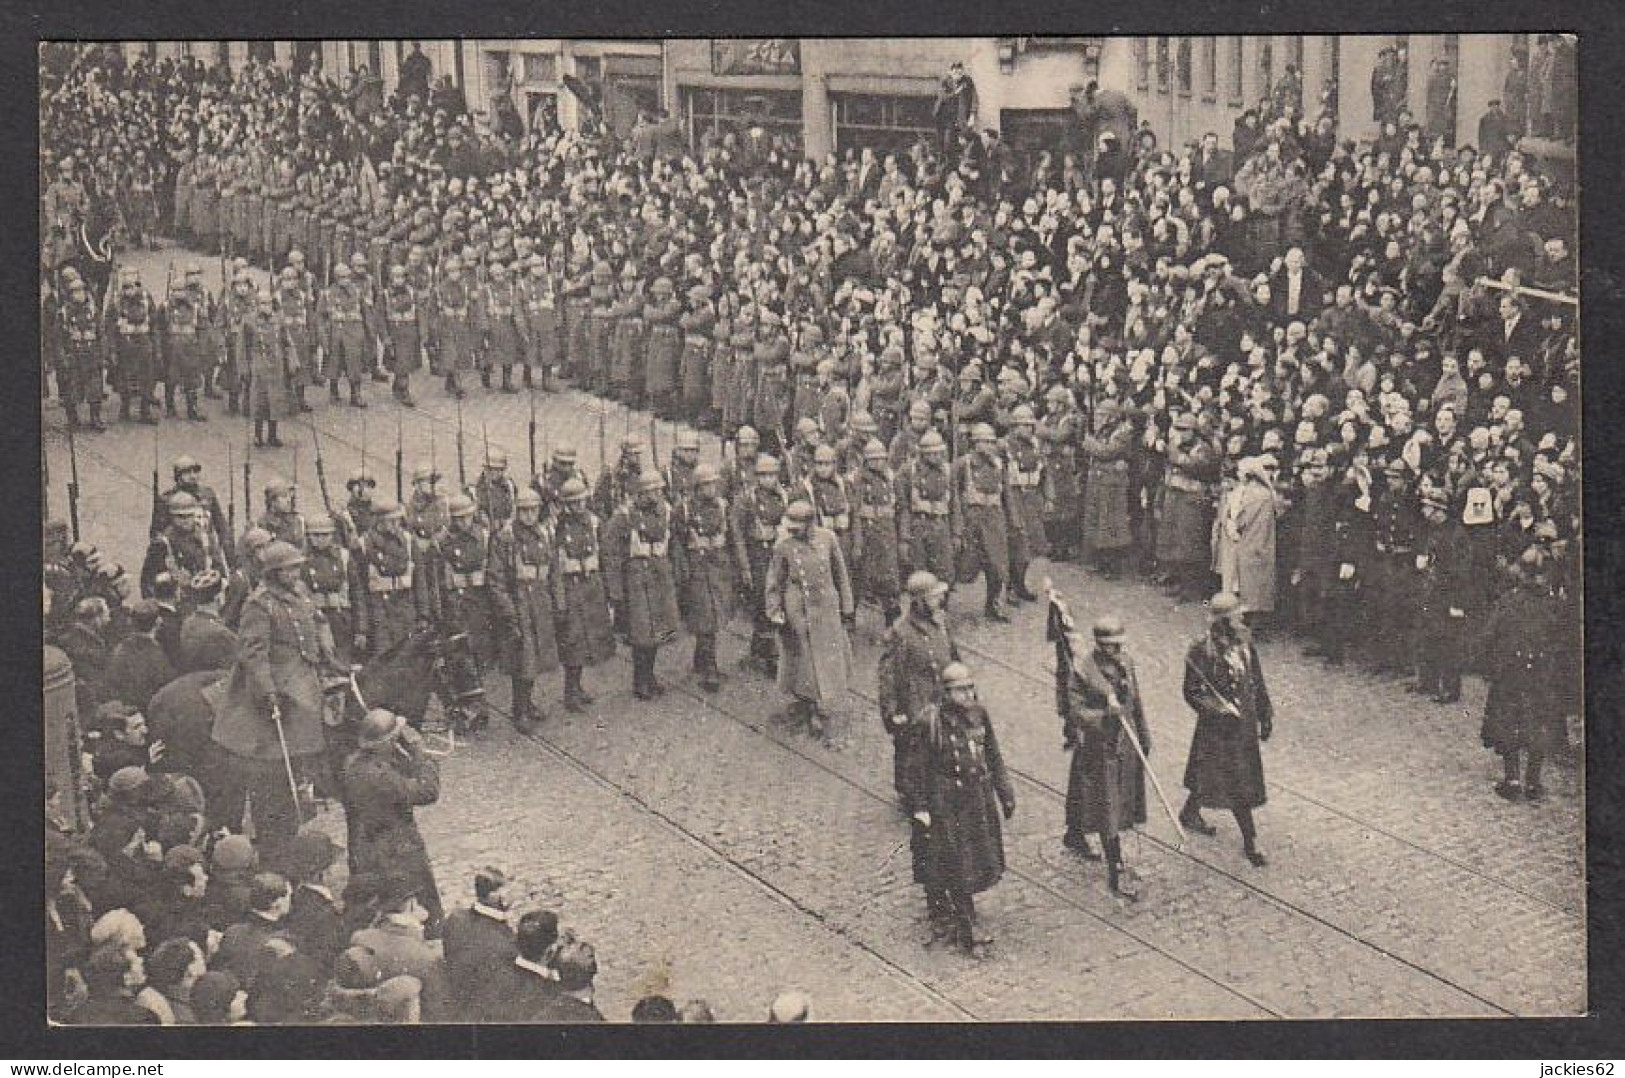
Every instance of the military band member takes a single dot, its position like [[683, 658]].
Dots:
[[808, 596], [960, 832], [758, 511], [330, 579], [521, 569], [1225, 685], [914, 652], [981, 493], [639, 580], [1106, 788], [705, 555], [581, 611]]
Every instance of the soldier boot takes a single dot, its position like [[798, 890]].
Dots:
[[271, 439], [191, 408], [525, 716], [96, 416], [507, 378], [355, 394], [576, 698], [403, 389]]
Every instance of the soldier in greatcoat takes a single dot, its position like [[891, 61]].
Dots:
[[1225, 685], [265, 369], [581, 619], [82, 368], [639, 580], [1100, 705], [663, 350], [698, 327], [1522, 723], [132, 332], [294, 309], [1059, 432], [758, 510], [498, 316], [330, 579], [392, 588], [600, 328], [1024, 458], [283, 646], [914, 652], [385, 780], [1106, 531], [342, 315], [1445, 600], [455, 340], [540, 323], [189, 341], [1185, 522], [808, 597], [877, 565], [959, 827], [406, 325], [522, 600], [464, 591], [831, 496], [626, 369], [927, 530], [705, 554]]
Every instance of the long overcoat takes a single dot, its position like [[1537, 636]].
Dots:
[[664, 347], [1225, 685], [914, 652], [1244, 546], [705, 563], [581, 621], [1105, 790], [282, 640], [964, 845], [1185, 530], [520, 577], [638, 572], [808, 588], [380, 790], [1106, 491]]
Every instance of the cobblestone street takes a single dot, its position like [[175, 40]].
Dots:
[[709, 851]]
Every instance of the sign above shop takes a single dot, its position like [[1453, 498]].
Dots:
[[756, 56]]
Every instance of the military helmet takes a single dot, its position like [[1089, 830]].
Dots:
[[181, 501], [651, 480], [387, 508], [1022, 415], [806, 425], [874, 449], [341, 271], [863, 423], [460, 505], [824, 454], [496, 458], [957, 676], [1109, 629], [423, 471], [799, 512], [565, 454], [706, 473], [574, 490], [278, 485], [923, 584], [358, 261], [183, 464], [747, 436], [767, 464], [527, 499], [931, 442], [687, 439], [281, 555], [322, 525], [983, 432]]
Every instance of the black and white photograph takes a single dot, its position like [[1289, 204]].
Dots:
[[811, 530]]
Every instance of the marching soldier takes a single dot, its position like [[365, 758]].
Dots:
[[406, 322], [543, 333], [927, 531], [245, 577], [832, 500], [185, 547], [265, 366], [934, 388], [189, 342], [498, 314], [454, 334], [280, 518], [685, 458], [521, 568], [664, 350], [1225, 685], [296, 309], [426, 514], [875, 542], [342, 315], [1105, 792], [738, 398], [132, 332], [980, 502], [638, 579], [799, 455], [616, 487], [887, 396], [273, 702], [855, 441], [914, 652], [576, 291], [1106, 531], [705, 554], [1025, 459], [329, 579], [367, 287], [560, 470], [770, 404], [1059, 432], [495, 490], [758, 511], [83, 363], [464, 596], [808, 597], [1185, 518], [393, 589], [581, 612], [960, 832]]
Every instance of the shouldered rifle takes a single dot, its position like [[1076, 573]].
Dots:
[[654, 442], [321, 469], [400, 495], [248, 486], [462, 471], [532, 433], [231, 496], [485, 442], [73, 484], [294, 494], [155, 496]]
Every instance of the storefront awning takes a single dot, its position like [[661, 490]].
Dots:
[[703, 81]]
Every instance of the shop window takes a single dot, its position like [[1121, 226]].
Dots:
[[881, 122], [716, 113], [1266, 67], [1142, 63], [1210, 68], [1164, 65], [541, 67], [1182, 67]]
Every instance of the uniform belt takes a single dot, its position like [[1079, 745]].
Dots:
[[579, 566], [459, 312], [523, 571], [331, 600], [81, 336], [1108, 465], [637, 548], [536, 305], [476, 579], [133, 331], [976, 497], [707, 542], [766, 533], [930, 508], [378, 583], [345, 318], [1025, 480], [501, 312], [877, 512], [403, 319]]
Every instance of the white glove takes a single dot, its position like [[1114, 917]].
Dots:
[[923, 817], [1345, 571], [1457, 612]]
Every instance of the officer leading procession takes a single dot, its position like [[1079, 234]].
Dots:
[[1176, 409]]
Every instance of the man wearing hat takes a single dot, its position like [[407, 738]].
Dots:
[[877, 558], [520, 581], [758, 510], [585, 634], [808, 597], [138, 665], [1106, 789], [685, 459], [617, 486], [187, 545], [540, 324], [981, 490], [132, 328], [959, 839], [638, 578], [206, 643], [626, 357], [927, 527], [1443, 599], [314, 922], [385, 780], [271, 718], [1185, 518], [831, 498], [280, 518], [1244, 537], [425, 511], [264, 367], [914, 652], [188, 475], [1523, 722], [329, 577], [1224, 683], [497, 316], [770, 403], [1106, 527], [600, 327], [1025, 458], [562, 468]]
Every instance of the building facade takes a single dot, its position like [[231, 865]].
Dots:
[[835, 94]]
